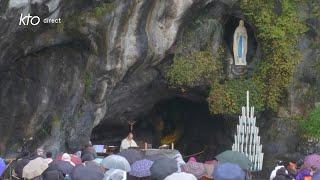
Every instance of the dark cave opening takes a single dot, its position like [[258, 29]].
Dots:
[[188, 123], [230, 26]]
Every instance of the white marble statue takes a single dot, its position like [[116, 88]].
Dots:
[[240, 44]]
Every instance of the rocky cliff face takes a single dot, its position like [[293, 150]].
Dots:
[[104, 63]]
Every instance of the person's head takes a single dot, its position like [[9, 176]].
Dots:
[[66, 157], [280, 163], [313, 170], [292, 165], [48, 154], [192, 159], [281, 171], [87, 157], [87, 146], [299, 164], [130, 135], [40, 152]]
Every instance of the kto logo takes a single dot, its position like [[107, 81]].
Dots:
[[35, 20], [26, 20]]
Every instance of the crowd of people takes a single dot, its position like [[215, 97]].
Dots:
[[301, 170], [134, 164]]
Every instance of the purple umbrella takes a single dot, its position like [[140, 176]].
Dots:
[[2, 166], [141, 168], [195, 168], [312, 160], [228, 171]]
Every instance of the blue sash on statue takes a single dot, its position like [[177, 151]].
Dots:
[[240, 44]]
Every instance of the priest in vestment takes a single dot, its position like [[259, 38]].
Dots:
[[128, 142]]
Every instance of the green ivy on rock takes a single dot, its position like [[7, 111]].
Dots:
[[310, 126], [230, 96], [278, 34], [277, 30], [193, 70]]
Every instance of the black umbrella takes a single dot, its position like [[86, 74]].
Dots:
[[235, 157], [155, 157], [164, 167], [82, 172], [64, 166], [132, 155], [53, 175], [21, 163], [52, 166]]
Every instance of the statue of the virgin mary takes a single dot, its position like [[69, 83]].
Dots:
[[240, 45]]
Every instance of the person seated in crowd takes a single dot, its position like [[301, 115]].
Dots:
[[89, 149], [48, 157], [315, 173], [280, 164], [40, 152], [66, 157], [128, 142], [282, 174], [292, 169], [88, 160]]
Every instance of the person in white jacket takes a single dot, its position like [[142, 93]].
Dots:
[[280, 164], [128, 142]]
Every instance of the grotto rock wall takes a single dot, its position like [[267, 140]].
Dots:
[[103, 63]]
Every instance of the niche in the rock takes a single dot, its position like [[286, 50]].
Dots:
[[230, 26], [191, 126], [186, 122]]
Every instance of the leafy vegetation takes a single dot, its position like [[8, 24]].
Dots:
[[87, 80], [102, 9], [230, 96], [278, 34], [311, 125], [193, 70], [77, 19]]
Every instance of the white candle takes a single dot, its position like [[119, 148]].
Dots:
[[247, 103], [252, 111]]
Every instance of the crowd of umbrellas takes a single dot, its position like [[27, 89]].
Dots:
[[129, 164], [139, 164], [133, 164]]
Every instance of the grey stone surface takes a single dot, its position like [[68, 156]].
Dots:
[[59, 81]]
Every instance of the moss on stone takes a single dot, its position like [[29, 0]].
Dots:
[[78, 19], [87, 80], [278, 34], [310, 125], [229, 97], [102, 9], [200, 67]]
